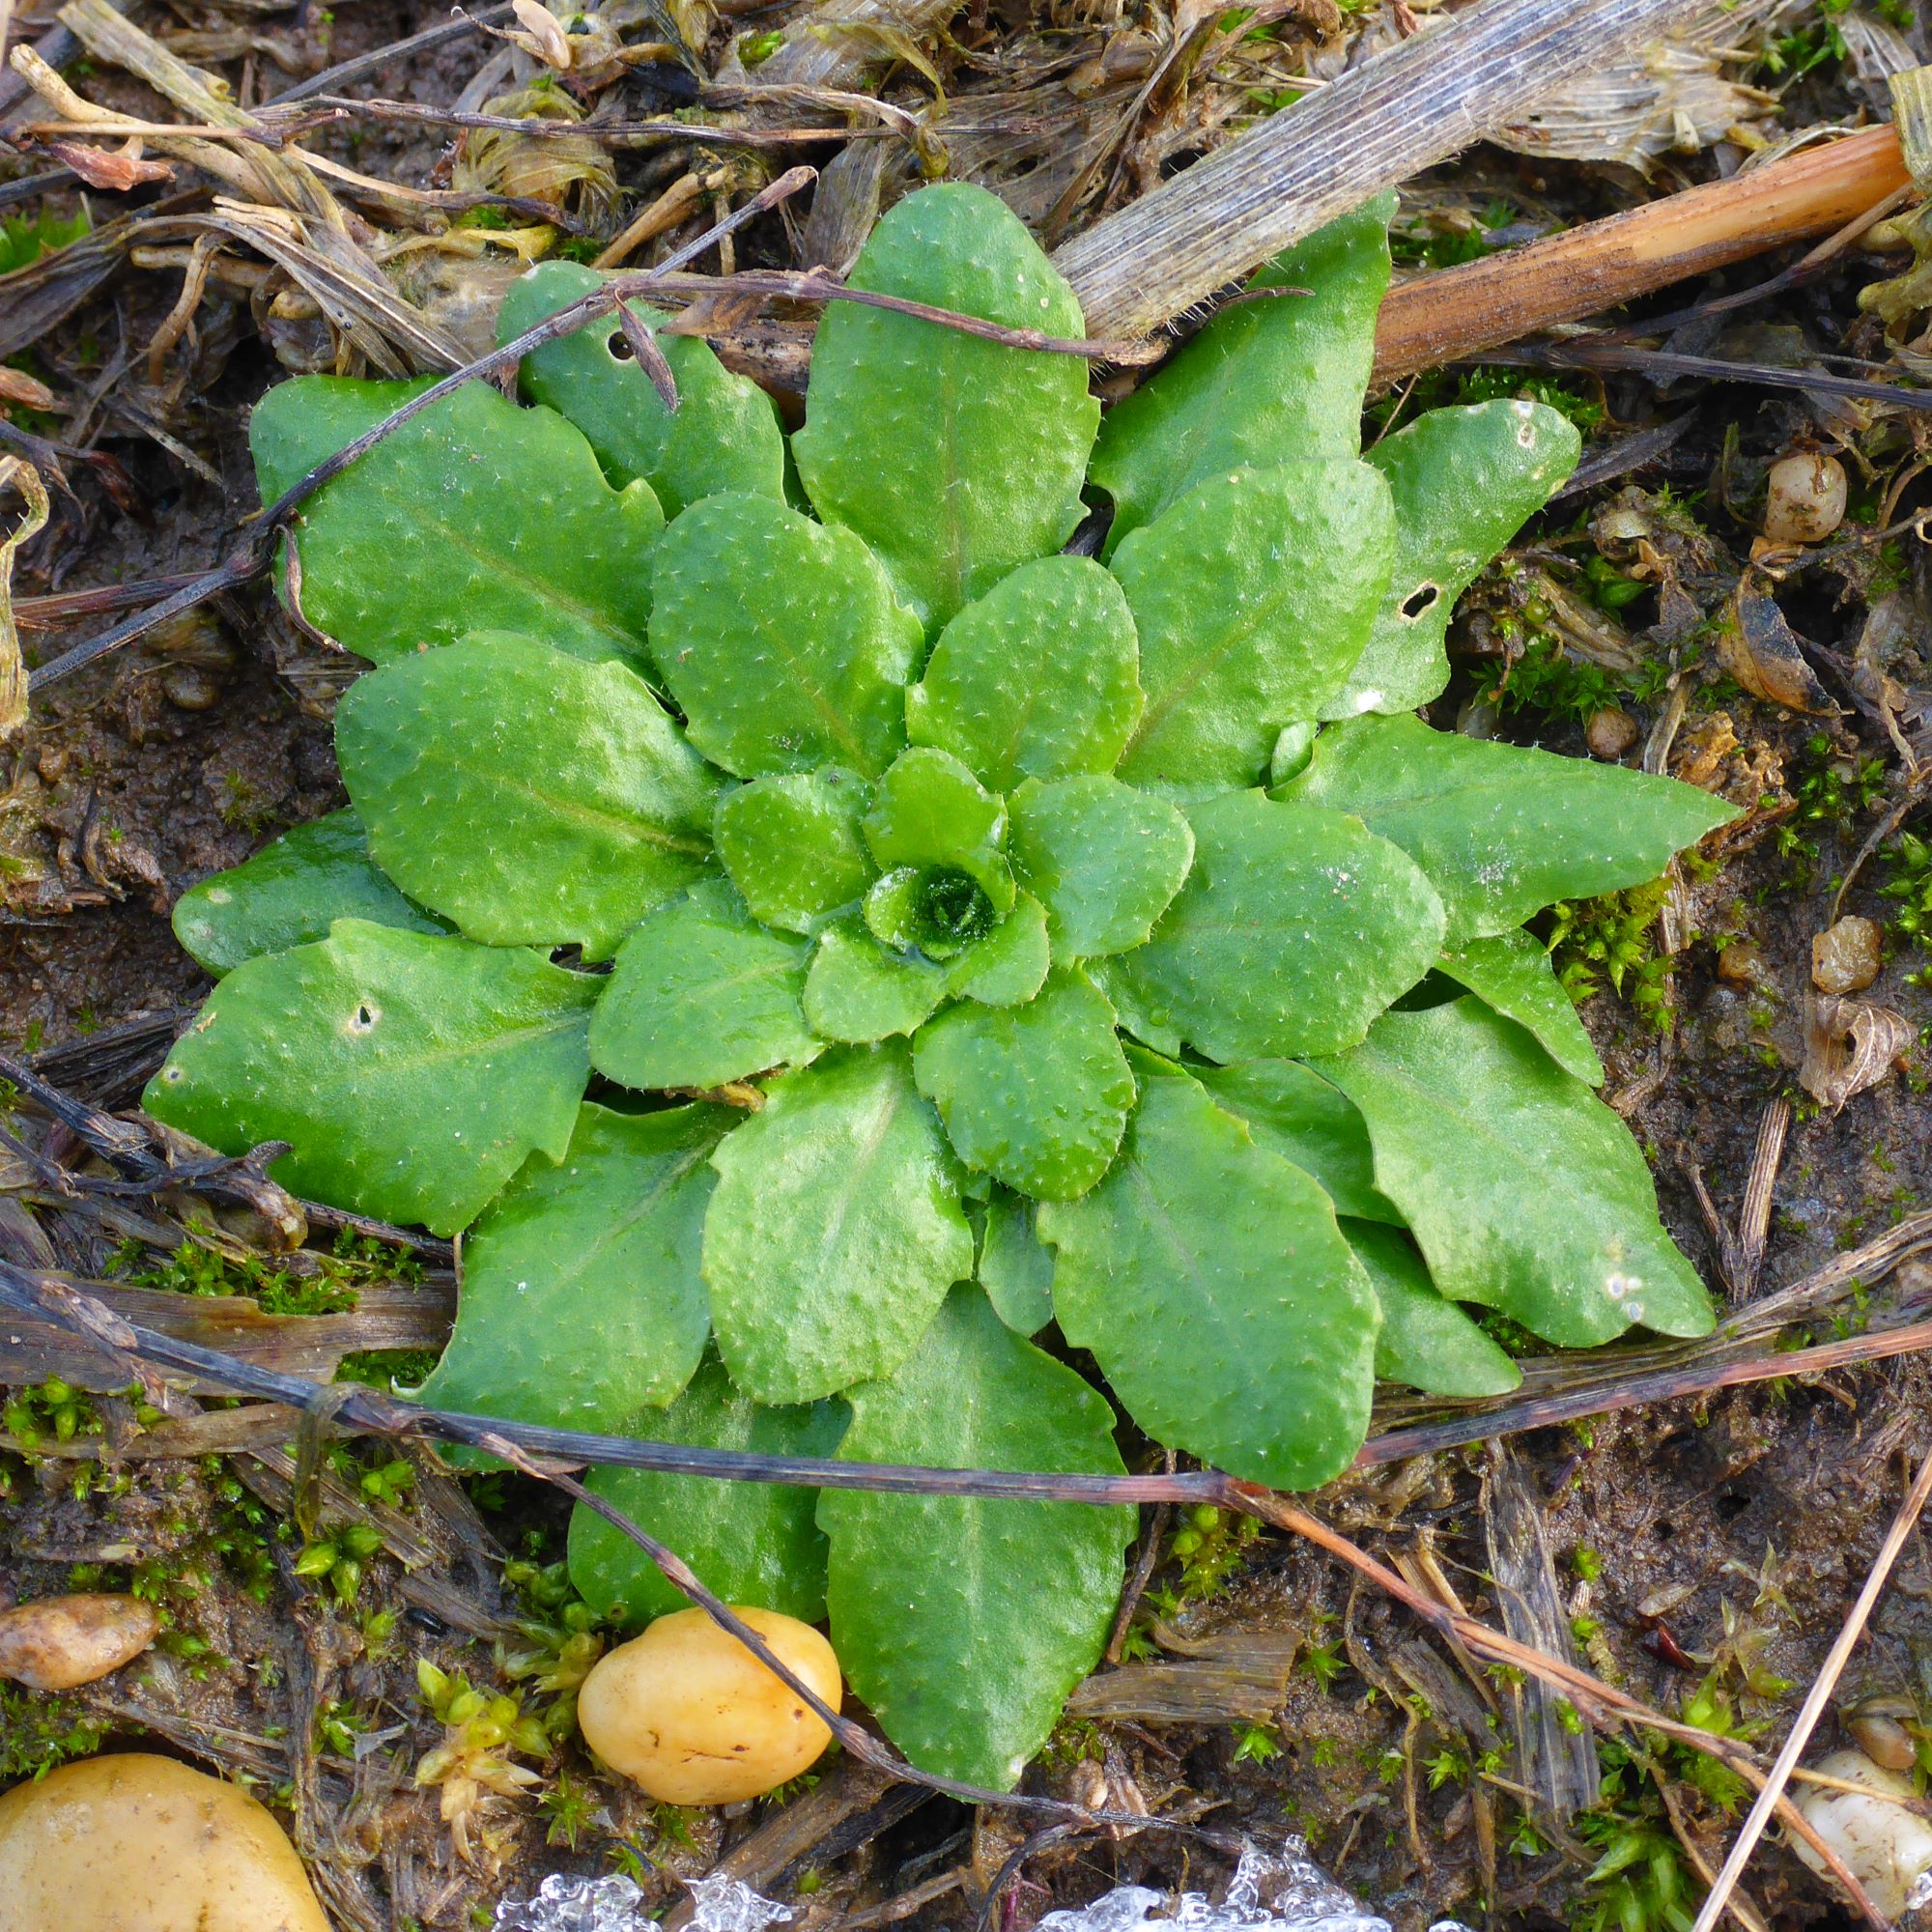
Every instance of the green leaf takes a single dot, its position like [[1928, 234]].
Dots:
[[475, 514], [1426, 1340], [1038, 679], [580, 1294], [1208, 1278], [750, 1542], [858, 991], [1037, 1095], [956, 459], [1524, 1190], [836, 1229], [937, 832], [701, 994], [411, 1074], [1105, 860], [1279, 379], [1016, 1266], [289, 894], [724, 435], [793, 846], [1502, 830], [1253, 598], [1292, 1111], [930, 811], [1295, 929], [1465, 481], [1009, 966], [963, 1624], [535, 798], [780, 640], [1512, 972]]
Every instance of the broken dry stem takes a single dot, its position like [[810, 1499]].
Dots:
[[1462, 311]]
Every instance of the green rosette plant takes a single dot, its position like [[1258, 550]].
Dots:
[[963, 937]]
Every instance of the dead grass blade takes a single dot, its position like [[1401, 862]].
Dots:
[[1771, 1794]]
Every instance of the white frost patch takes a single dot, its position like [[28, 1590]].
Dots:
[[1285, 1890], [614, 1904]]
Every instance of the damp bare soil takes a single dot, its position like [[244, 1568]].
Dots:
[[1703, 1549]]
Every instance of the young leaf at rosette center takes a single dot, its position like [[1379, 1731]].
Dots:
[[780, 640], [1524, 1190], [1465, 481], [412, 1075], [580, 1296], [535, 798], [1426, 1340], [1038, 679], [962, 1623], [701, 994], [1290, 1110], [1502, 830], [936, 832], [1295, 929], [1009, 966], [290, 892], [856, 991], [956, 458], [1253, 597], [475, 514], [836, 1229], [750, 1542], [1104, 859], [1276, 380], [1016, 1266], [1208, 1278], [1512, 972], [724, 433], [1037, 1095], [793, 846]]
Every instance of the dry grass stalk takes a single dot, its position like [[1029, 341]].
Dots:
[[1401, 112], [1461, 311], [17, 475], [1816, 1700]]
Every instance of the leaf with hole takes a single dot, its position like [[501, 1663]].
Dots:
[[963, 1623], [723, 435], [411, 1074], [1464, 482]]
